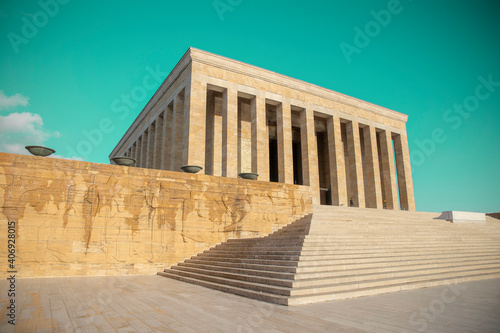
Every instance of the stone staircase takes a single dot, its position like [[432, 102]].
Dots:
[[341, 252]]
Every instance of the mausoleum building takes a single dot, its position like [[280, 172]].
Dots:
[[230, 117]]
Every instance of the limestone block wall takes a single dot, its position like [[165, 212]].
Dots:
[[77, 218]]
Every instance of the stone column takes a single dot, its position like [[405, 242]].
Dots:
[[403, 166], [195, 117], [177, 133], [166, 138], [133, 151], [244, 136], [260, 138], [230, 133], [355, 164], [150, 146], [210, 135], [337, 162], [388, 174], [218, 132], [158, 142], [285, 152], [139, 151], [144, 149], [372, 170], [309, 151]]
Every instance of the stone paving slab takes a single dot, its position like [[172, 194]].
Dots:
[[151, 303]]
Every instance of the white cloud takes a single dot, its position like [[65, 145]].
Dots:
[[15, 148], [12, 101], [18, 130], [20, 122]]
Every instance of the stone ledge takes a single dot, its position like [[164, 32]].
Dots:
[[462, 217]]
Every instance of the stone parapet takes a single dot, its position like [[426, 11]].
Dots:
[[76, 218]]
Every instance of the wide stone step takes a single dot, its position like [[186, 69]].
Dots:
[[406, 273], [247, 261], [348, 286], [342, 250], [272, 238], [260, 247], [331, 271], [357, 242], [239, 265], [244, 255], [351, 244], [277, 290], [367, 231], [331, 292], [388, 258], [321, 297], [326, 267], [348, 257], [390, 245], [335, 271], [348, 279], [287, 282], [259, 270], [355, 234], [433, 234], [321, 255], [258, 295]]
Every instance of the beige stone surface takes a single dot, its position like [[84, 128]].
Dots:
[[79, 218]]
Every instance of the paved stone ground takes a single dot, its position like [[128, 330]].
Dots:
[[157, 304]]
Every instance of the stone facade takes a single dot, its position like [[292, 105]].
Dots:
[[231, 117], [77, 218]]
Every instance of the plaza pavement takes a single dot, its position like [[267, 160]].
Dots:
[[156, 304]]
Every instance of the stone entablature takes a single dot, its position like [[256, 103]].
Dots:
[[231, 117]]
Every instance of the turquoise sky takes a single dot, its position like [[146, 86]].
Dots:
[[66, 65]]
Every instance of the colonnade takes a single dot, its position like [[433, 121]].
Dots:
[[227, 131]]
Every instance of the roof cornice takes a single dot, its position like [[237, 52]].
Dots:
[[236, 66]]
